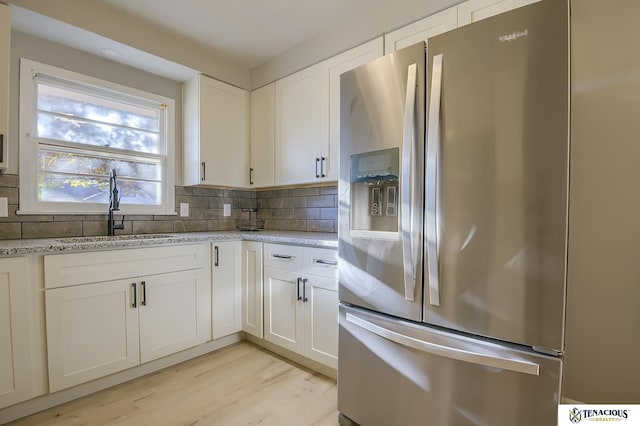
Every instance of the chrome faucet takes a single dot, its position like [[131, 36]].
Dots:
[[114, 204]]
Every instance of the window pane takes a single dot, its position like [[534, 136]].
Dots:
[[73, 129], [97, 108], [83, 189], [51, 160]]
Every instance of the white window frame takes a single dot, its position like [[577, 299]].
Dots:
[[29, 142]]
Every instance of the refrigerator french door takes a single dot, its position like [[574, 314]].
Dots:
[[479, 339], [380, 191]]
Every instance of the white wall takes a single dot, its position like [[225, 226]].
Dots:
[[26, 46]]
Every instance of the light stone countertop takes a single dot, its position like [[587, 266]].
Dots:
[[75, 244]]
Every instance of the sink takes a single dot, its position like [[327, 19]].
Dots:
[[101, 238]]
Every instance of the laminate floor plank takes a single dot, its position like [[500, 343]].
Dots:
[[242, 384]]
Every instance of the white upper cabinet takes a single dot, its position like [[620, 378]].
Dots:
[[476, 10], [262, 167], [5, 45], [302, 130], [336, 66], [421, 30], [216, 134]]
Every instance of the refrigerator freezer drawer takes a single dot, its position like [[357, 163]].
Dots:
[[394, 372]]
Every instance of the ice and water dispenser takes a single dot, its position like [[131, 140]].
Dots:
[[374, 192]]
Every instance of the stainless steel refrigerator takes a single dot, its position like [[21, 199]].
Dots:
[[453, 226]]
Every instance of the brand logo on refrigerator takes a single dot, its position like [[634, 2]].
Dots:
[[508, 38]]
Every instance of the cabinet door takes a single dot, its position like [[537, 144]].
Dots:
[[216, 129], [226, 289], [175, 312], [283, 309], [336, 66], [92, 331], [252, 288], [5, 45], [263, 150], [476, 10], [321, 319], [421, 30], [301, 125], [15, 349]]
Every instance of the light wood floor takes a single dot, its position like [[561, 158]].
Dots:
[[242, 384]]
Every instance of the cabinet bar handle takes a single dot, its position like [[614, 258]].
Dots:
[[135, 295], [204, 171], [251, 176], [326, 262], [304, 290], [144, 293], [217, 257], [283, 256], [298, 288], [322, 161], [317, 162]]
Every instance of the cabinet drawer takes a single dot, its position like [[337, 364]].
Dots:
[[62, 270], [321, 262], [288, 258]]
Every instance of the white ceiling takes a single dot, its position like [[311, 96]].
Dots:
[[247, 32]]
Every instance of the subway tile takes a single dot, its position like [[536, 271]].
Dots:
[[296, 225], [9, 181], [51, 229], [93, 228], [222, 225], [330, 213], [237, 193], [12, 195], [283, 214], [184, 190], [10, 231], [321, 226], [167, 216], [198, 214], [191, 226], [307, 213], [328, 190], [299, 202], [152, 227], [273, 224], [321, 201], [197, 202], [305, 192], [71, 218], [208, 192]]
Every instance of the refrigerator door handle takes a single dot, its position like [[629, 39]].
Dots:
[[431, 182], [488, 360], [409, 251]]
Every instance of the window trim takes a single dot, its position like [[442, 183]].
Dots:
[[28, 145]]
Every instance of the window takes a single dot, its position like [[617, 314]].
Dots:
[[75, 128]]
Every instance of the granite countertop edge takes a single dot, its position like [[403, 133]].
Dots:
[[10, 248]]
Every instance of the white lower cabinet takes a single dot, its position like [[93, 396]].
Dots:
[[98, 328], [251, 274], [15, 349], [226, 293], [301, 308]]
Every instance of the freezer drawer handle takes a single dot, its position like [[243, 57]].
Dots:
[[431, 182], [516, 365], [407, 236]]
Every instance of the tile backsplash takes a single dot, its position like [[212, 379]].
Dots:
[[300, 209]]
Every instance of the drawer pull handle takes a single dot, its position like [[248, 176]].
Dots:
[[283, 256], [326, 262]]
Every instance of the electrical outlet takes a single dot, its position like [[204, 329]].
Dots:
[[227, 210], [184, 209]]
